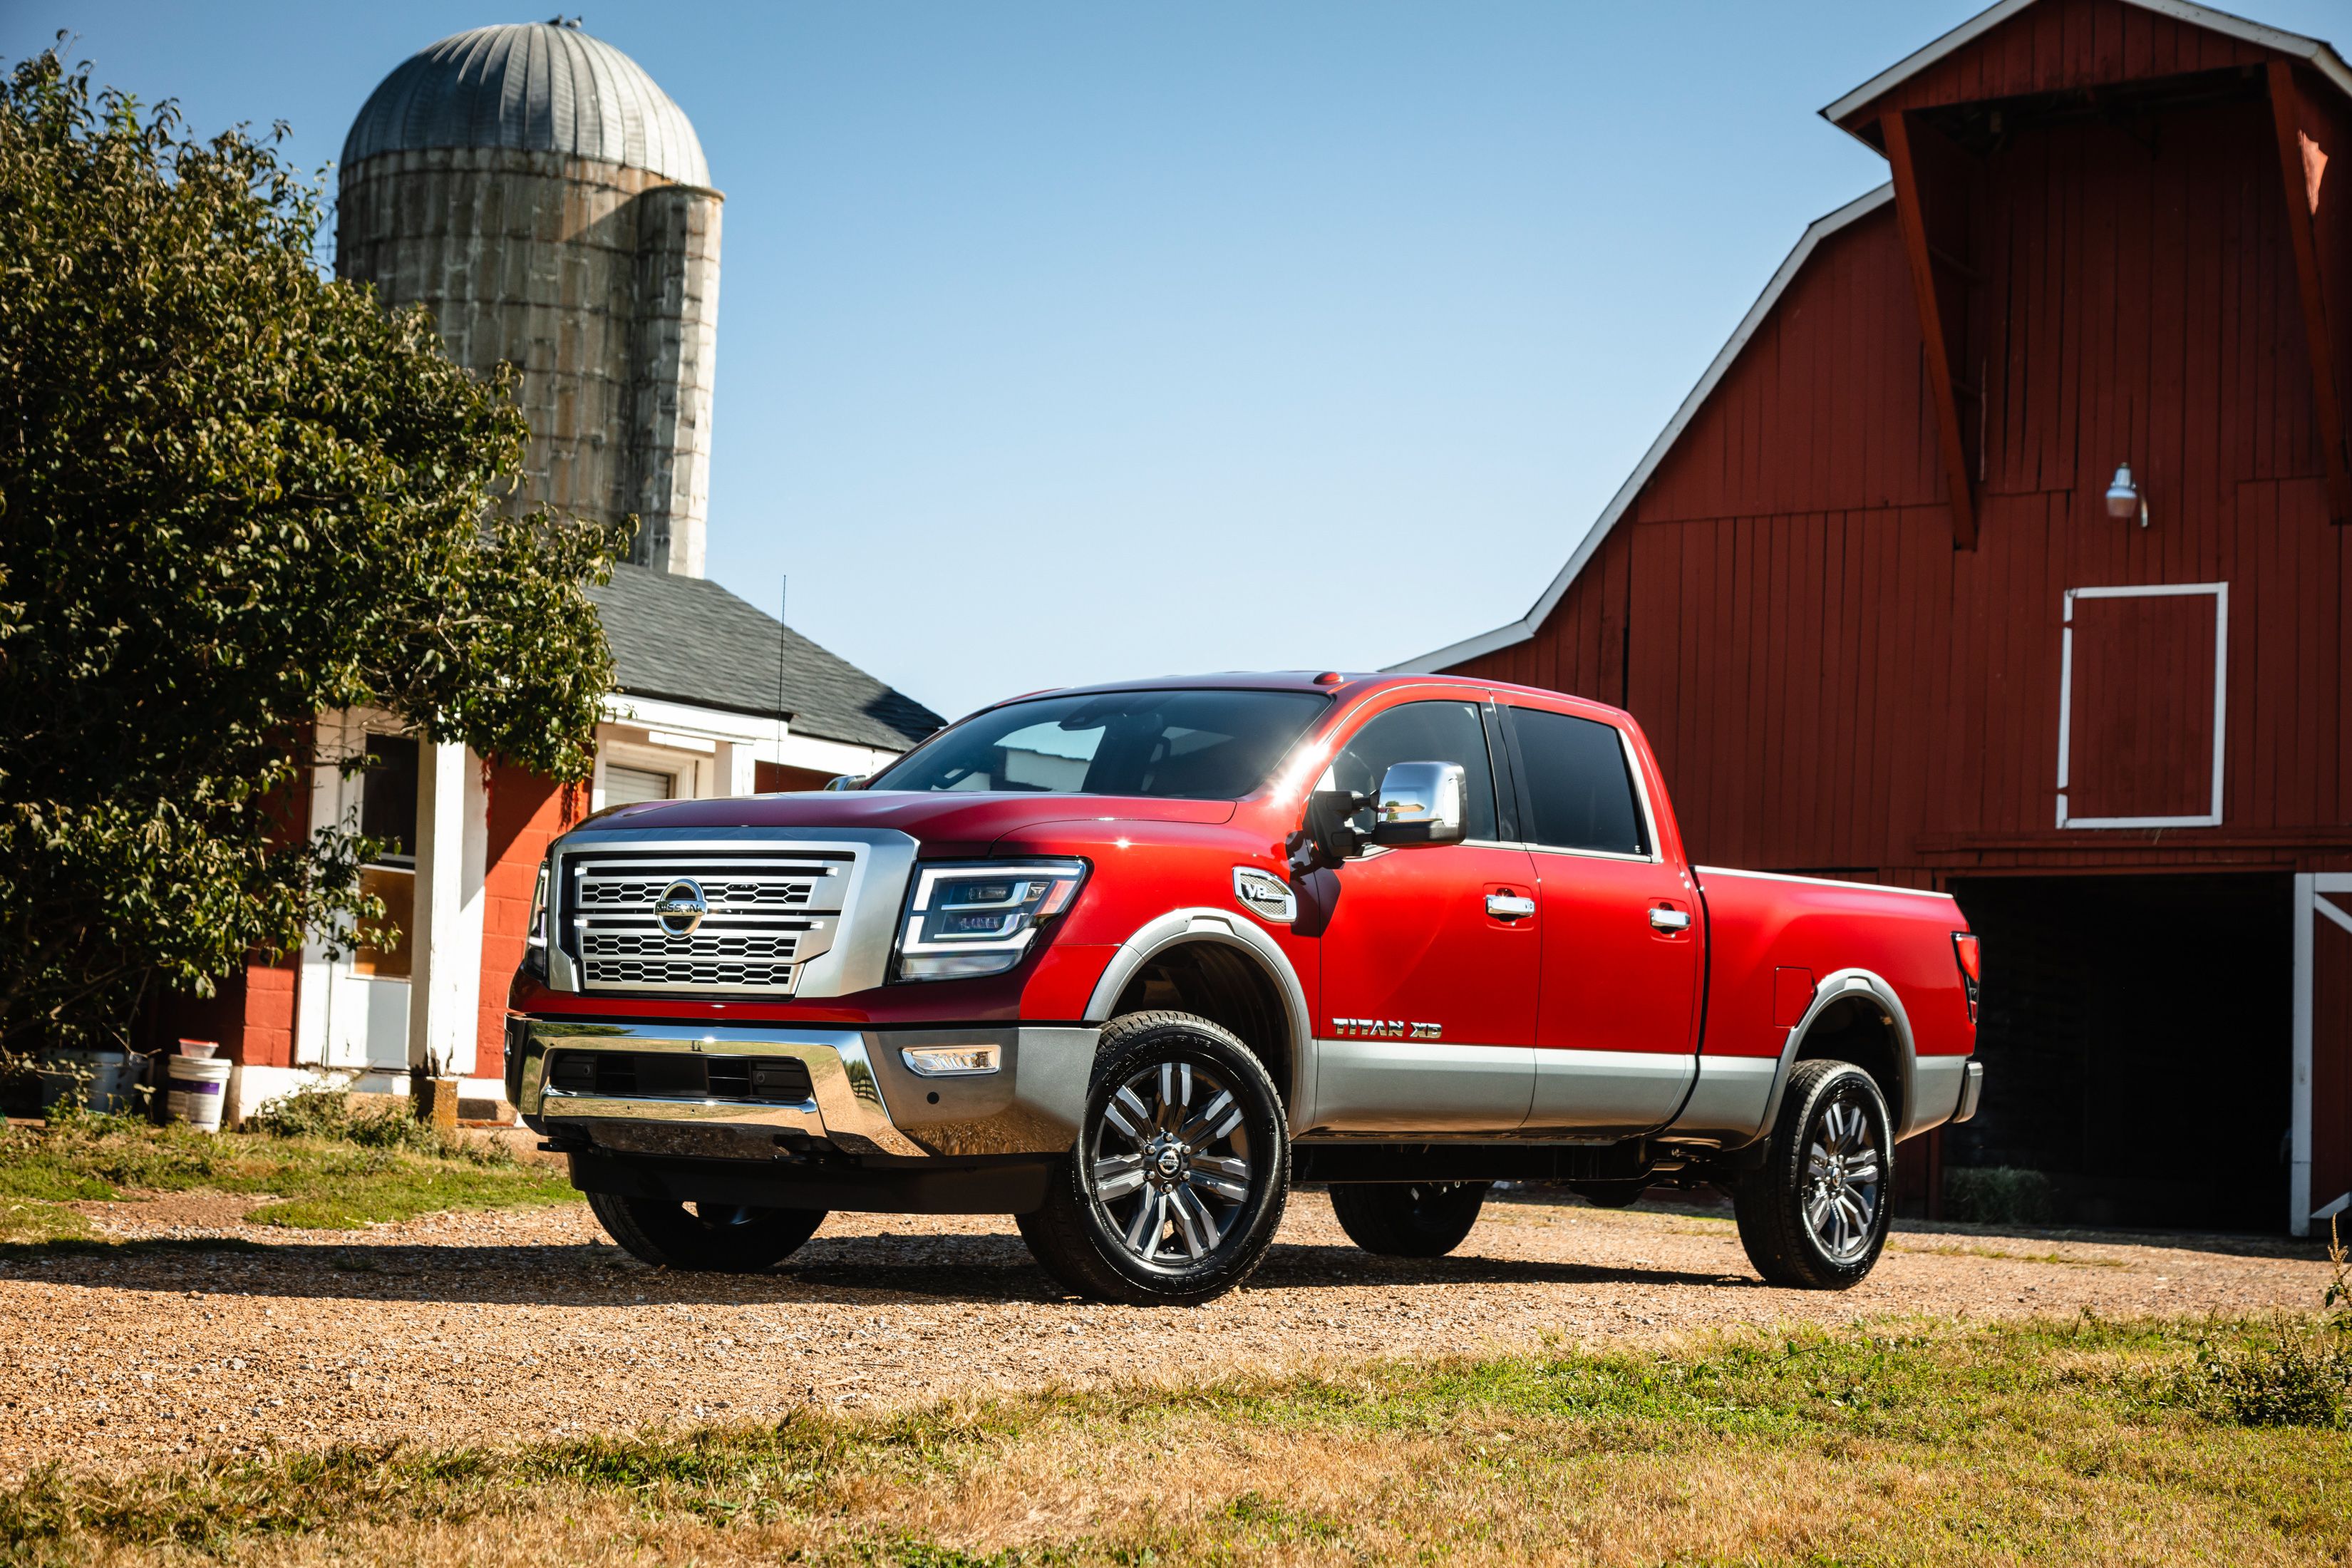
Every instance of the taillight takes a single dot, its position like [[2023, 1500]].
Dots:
[[1964, 949]]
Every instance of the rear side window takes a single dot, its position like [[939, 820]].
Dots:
[[1579, 792], [1422, 733]]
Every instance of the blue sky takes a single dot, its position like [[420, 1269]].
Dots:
[[1063, 342]]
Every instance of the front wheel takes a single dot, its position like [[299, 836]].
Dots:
[[705, 1238], [1815, 1214], [1408, 1219], [1180, 1173]]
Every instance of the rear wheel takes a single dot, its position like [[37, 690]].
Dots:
[[1815, 1214], [1408, 1219], [709, 1238], [1181, 1173]]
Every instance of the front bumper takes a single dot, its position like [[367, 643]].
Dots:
[[864, 1104]]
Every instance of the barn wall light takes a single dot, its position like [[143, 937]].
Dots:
[[2123, 498]]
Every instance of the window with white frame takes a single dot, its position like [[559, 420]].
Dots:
[[2143, 688]]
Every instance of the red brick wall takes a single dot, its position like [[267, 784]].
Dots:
[[251, 1014], [526, 814]]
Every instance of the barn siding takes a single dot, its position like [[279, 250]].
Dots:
[[1829, 684], [2062, 44]]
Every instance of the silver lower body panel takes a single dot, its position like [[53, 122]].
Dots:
[[863, 1099]]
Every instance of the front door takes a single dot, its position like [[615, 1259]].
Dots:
[[1616, 1031], [360, 1019], [1427, 1016]]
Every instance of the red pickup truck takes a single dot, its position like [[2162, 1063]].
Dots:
[[1127, 962]]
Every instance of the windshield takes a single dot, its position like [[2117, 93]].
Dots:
[[1176, 745]]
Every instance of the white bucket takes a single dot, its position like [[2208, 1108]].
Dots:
[[199, 1087]]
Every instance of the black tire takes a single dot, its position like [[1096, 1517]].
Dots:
[[1199, 1192], [1808, 1216], [707, 1238], [1610, 1195], [1408, 1219]]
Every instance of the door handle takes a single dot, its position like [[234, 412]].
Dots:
[[1509, 906], [1670, 920]]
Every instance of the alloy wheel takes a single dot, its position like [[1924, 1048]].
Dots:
[[1169, 1167], [1843, 1175]]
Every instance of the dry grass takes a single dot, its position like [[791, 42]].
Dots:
[[2028, 1442]]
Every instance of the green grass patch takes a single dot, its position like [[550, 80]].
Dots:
[[28, 1222], [321, 1171], [2088, 1441]]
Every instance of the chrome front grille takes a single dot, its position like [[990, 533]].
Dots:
[[768, 913], [596, 944], [745, 893]]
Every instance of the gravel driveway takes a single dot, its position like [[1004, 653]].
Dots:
[[494, 1327]]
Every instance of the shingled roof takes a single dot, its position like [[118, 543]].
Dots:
[[686, 639]]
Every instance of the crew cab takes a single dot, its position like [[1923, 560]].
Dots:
[[1129, 962]]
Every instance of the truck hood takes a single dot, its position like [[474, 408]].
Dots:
[[944, 821]]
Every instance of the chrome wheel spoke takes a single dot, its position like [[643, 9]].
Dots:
[[1864, 1171], [1127, 1113], [1222, 1185], [1198, 1134], [1223, 1165], [1194, 1227], [1143, 1230], [1118, 1175]]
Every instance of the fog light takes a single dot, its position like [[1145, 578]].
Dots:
[[949, 1061]]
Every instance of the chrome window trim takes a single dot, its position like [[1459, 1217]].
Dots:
[[1592, 854], [1547, 849], [1642, 796]]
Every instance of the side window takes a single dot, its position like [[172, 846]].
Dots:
[[1579, 790], [1423, 732]]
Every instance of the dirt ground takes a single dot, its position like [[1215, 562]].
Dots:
[[492, 1328]]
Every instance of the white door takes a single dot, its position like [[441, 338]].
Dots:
[[355, 1003]]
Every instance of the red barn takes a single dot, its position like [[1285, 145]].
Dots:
[[2003, 549]]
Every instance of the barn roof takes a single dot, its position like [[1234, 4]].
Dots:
[[2314, 52], [1520, 630], [686, 639]]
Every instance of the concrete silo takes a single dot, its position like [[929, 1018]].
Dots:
[[551, 205]]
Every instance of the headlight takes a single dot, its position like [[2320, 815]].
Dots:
[[969, 918], [534, 950]]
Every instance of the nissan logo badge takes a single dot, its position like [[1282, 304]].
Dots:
[[681, 906]]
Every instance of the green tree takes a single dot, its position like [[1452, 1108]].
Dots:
[[233, 493]]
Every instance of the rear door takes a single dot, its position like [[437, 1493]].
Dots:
[[1427, 1018], [1616, 1024]]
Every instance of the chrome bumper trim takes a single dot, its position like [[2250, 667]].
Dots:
[[845, 1104], [1972, 1091]]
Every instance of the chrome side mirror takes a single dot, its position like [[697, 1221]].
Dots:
[[847, 781], [1419, 802]]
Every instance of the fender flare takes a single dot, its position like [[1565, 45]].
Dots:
[[1179, 927], [1833, 989]]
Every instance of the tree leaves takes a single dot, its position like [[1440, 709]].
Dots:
[[233, 494]]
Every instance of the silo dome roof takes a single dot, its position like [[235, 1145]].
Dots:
[[542, 87]]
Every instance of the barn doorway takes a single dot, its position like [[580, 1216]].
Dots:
[[2138, 1037]]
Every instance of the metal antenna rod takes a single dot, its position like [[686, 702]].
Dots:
[[783, 599]]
